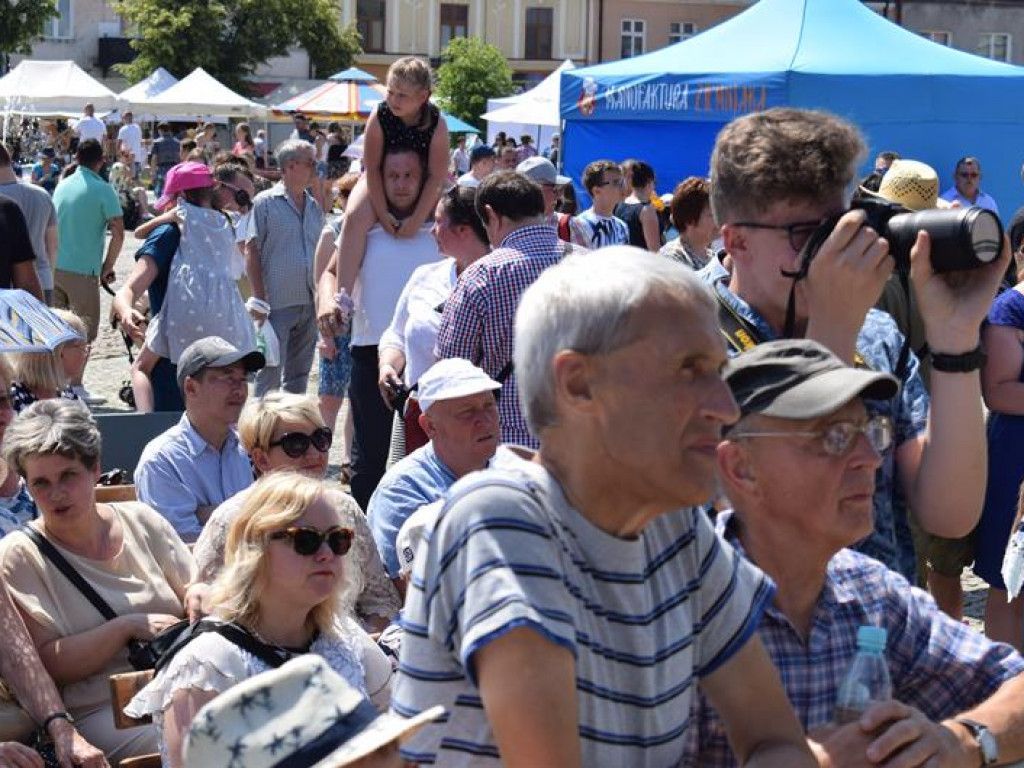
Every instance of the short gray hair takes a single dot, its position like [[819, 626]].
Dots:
[[54, 426], [293, 149], [584, 304]]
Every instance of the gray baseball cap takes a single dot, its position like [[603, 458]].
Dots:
[[800, 379], [215, 352], [541, 170]]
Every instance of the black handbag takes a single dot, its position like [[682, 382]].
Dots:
[[142, 654]]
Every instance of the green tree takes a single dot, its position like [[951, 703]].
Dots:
[[471, 72], [21, 22], [230, 39]]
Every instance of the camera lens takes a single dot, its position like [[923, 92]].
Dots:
[[961, 239]]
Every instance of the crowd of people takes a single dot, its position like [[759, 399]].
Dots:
[[626, 481]]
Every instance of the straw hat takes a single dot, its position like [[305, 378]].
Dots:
[[912, 184], [302, 713]]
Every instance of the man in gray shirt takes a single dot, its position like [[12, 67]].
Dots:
[[283, 232], [41, 217]]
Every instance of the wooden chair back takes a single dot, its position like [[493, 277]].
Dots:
[[123, 688]]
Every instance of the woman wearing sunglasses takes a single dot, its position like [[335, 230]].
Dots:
[[289, 582], [285, 432]]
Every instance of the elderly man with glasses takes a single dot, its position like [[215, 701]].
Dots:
[[799, 469]]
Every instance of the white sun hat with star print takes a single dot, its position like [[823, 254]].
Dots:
[[301, 715]]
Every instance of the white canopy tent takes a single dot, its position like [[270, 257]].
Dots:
[[198, 94], [53, 89], [534, 112]]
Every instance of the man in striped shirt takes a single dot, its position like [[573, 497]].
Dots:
[[566, 604], [800, 469]]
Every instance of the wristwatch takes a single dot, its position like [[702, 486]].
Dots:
[[57, 716], [985, 739]]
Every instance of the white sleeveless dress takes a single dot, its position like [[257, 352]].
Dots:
[[202, 296]]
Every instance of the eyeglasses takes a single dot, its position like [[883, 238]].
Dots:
[[798, 233], [295, 444], [307, 541], [837, 439], [968, 174], [612, 183], [242, 198]]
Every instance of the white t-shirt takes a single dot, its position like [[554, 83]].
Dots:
[[90, 128], [131, 136], [387, 266], [416, 322], [468, 180]]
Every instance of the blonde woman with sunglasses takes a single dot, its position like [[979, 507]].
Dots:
[[289, 583], [284, 432]]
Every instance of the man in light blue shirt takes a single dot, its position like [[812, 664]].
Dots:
[[967, 187], [460, 416], [186, 472]]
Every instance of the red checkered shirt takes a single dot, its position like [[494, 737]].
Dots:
[[479, 316]]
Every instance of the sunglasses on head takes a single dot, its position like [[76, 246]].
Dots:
[[307, 541], [295, 444], [242, 199]]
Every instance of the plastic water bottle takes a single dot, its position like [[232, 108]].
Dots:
[[867, 680]]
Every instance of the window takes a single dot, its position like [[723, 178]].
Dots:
[[632, 37], [59, 26], [681, 30], [454, 22], [995, 45], [370, 18], [540, 29], [937, 36]]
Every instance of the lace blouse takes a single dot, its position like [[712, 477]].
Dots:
[[213, 663]]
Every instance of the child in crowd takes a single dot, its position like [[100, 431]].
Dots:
[[405, 119]]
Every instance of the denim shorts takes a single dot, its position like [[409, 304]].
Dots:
[[335, 374]]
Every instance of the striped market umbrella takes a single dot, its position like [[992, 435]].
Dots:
[[28, 325], [351, 99]]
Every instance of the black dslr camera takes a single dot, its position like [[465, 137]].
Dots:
[[962, 238]]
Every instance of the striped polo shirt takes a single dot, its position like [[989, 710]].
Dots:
[[644, 618]]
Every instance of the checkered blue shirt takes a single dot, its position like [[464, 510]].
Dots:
[[938, 665], [479, 316]]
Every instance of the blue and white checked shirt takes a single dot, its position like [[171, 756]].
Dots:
[[287, 240], [479, 316], [938, 665], [879, 342], [179, 472]]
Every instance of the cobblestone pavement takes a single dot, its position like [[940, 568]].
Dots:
[[108, 368]]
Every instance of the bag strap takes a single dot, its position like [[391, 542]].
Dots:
[[52, 554], [270, 655]]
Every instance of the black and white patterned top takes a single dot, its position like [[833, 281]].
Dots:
[[398, 135]]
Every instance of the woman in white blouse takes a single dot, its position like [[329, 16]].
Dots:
[[290, 583]]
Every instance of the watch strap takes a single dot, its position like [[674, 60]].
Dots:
[[963, 363], [984, 738]]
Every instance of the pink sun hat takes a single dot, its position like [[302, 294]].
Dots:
[[183, 176]]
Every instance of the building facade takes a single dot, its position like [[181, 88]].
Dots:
[[633, 27]]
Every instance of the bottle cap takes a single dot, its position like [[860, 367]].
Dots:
[[872, 638]]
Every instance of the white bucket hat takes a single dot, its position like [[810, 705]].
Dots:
[[302, 713]]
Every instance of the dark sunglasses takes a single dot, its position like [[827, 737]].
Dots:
[[242, 199], [307, 541], [295, 444]]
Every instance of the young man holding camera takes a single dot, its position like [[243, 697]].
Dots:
[[775, 177]]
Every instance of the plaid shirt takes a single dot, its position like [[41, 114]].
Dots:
[[479, 316], [938, 665]]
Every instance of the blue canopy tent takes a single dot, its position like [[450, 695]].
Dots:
[[925, 101]]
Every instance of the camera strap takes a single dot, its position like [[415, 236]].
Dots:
[[741, 335]]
